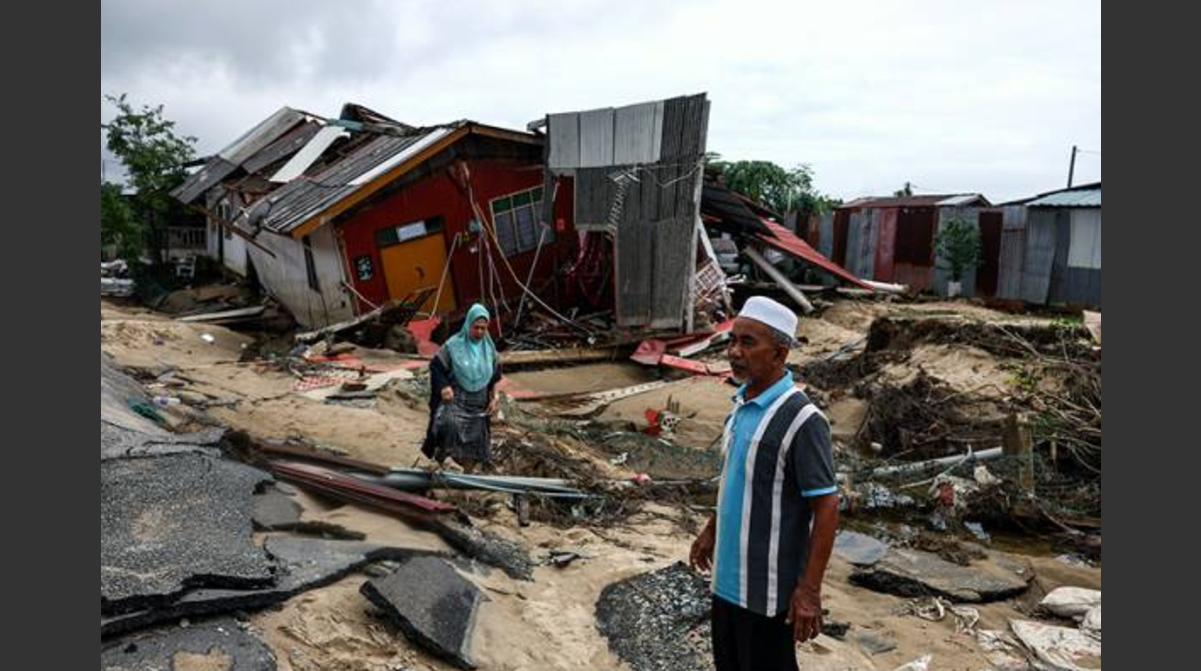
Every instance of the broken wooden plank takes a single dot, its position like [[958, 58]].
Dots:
[[556, 356], [239, 314], [310, 336], [594, 403], [1092, 321], [316, 456]]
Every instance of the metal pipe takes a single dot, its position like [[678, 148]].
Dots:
[[983, 455]]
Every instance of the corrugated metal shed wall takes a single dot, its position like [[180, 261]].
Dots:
[[1013, 252], [861, 244], [826, 239], [607, 136], [1077, 286], [656, 228], [285, 277], [660, 216], [1041, 238]]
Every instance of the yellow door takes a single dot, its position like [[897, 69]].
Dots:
[[415, 265]]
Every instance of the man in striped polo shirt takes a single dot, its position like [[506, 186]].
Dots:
[[777, 506]]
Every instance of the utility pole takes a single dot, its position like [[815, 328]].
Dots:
[[1072, 166]]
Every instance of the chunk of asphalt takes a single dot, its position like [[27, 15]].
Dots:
[[171, 523], [659, 621], [913, 574], [510, 557], [219, 645], [432, 605], [305, 564], [274, 509]]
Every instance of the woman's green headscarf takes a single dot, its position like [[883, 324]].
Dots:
[[473, 360]]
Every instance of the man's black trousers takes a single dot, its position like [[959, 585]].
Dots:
[[747, 641]]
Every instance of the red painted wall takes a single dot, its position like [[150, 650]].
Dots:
[[886, 238], [440, 195]]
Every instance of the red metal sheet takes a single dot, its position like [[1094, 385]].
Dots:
[[784, 240], [331, 479], [649, 352], [886, 238]]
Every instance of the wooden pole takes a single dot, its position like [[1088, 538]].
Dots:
[[778, 277], [1018, 442]]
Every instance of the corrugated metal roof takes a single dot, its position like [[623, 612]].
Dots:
[[240, 151], [786, 241], [1088, 197], [266, 132], [950, 199], [306, 157], [203, 179], [303, 198], [285, 146]]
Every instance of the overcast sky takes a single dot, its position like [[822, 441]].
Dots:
[[951, 96]]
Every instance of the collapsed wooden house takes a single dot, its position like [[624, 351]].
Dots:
[[334, 217]]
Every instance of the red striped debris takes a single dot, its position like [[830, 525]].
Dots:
[[671, 351], [355, 489]]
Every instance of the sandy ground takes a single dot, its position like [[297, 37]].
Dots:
[[266, 407], [966, 370], [550, 623], [703, 402], [582, 379]]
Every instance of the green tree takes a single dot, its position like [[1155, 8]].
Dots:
[[154, 156], [904, 192], [958, 245], [118, 225], [781, 190]]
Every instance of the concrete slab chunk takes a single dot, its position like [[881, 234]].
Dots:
[[859, 549], [432, 604], [912, 573], [220, 645], [659, 621], [304, 564], [176, 522]]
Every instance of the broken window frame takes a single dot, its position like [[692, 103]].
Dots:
[[509, 216], [310, 265]]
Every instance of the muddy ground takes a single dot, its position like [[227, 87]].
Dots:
[[550, 623]]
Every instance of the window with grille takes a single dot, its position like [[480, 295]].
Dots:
[[516, 217]]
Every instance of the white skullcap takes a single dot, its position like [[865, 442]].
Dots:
[[766, 311]]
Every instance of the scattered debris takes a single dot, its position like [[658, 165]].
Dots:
[[834, 628], [116, 287], [227, 316], [873, 644], [1071, 602], [920, 664], [1059, 648], [562, 558], [659, 621], [1092, 321], [432, 604], [1091, 623]]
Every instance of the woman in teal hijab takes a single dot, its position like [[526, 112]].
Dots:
[[463, 377]]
